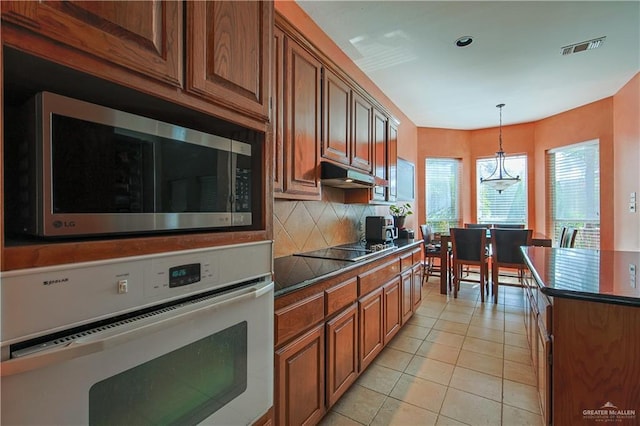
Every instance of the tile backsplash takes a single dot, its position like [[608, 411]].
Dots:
[[309, 225]]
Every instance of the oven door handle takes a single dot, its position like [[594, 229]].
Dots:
[[125, 333]]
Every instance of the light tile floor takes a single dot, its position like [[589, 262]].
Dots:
[[456, 362]]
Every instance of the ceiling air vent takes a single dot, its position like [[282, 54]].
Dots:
[[582, 46]]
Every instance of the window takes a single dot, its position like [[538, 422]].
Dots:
[[573, 185], [509, 206], [442, 177]]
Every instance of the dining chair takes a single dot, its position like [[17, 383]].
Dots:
[[506, 253], [477, 225], [568, 237], [432, 253], [469, 246], [508, 226]]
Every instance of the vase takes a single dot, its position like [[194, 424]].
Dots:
[[398, 221]]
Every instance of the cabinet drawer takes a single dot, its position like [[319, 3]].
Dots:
[[296, 318], [417, 255], [371, 280], [406, 261], [340, 296]]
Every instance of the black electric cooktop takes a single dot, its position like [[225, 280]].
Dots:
[[349, 252]]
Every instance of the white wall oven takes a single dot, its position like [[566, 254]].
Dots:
[[180, 338], [75, 168]]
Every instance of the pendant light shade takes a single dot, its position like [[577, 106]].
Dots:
[[500, 179]]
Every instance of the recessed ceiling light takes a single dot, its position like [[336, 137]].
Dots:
[[464, 41]]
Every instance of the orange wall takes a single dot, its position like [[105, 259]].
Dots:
[[626, 157], [444, 143], [588, 122], [614, 121]]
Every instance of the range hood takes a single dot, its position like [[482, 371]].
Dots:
[[342, 177]]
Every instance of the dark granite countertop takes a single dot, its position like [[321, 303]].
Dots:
[[593, 275], [294, 272]]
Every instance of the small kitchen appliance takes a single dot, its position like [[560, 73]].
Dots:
[[79, 169], [380, 229], [179, 338]]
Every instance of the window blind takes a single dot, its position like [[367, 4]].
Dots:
[[510, 206], [573, 185], [442, 180]]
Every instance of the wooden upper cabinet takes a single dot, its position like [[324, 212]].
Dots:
[[361, 122], [228, 53], [380, 169], [277, 110], [392, 161], [301, 150], [337, 107], [143, 36]]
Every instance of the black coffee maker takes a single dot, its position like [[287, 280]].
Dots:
[[380, 230]]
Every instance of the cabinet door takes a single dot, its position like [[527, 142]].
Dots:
[[379, 153], [277, 110], [300, 380], [544, 372], [342, 353], [228, 53], [392, 309], [370, 311], [407, 288], [143, 36], [361, 122], [392, 161], [416, 280], [336, 106], [302, 123]]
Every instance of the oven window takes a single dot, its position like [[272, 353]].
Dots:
[[183, 387]]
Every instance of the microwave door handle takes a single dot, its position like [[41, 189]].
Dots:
[[125, 333]]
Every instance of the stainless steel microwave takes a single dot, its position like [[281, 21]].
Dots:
[[85, 169]]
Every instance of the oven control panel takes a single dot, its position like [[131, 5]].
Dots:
[[75, 294], [184, 275]]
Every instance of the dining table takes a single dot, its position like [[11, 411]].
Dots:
[[539, 239]]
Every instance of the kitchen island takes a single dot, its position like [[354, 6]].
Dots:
[[583, 325]]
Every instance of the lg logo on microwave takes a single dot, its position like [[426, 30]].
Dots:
[[63, 224]]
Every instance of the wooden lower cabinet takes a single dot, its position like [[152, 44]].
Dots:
[[407, 304], [326, 338], [342, 353], [595, 361], [416, 284], [392, 309], [370, 310], [543, 370], [300, 379]]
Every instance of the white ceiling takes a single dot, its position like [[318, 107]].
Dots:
[[407, 49]]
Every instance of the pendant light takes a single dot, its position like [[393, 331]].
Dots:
[[500, 179]]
